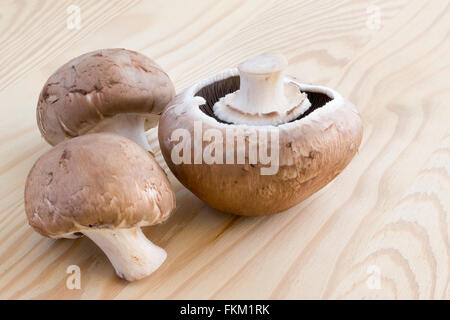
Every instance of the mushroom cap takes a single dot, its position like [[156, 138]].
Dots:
[[313, 149], [99, 180], [98, 85]]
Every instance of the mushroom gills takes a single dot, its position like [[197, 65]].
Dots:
[[130, 252], [214, 91]]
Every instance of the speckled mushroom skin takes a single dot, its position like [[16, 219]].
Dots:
[[313, 151], [96, 181], [97, 85]]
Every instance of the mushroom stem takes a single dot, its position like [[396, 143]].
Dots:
[[130, 252], [264, 97], [261, 84], [127, 125]]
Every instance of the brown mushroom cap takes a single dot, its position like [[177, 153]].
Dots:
[[313, 149], [97, 181], [99, 85]]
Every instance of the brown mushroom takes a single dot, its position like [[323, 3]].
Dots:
[[254, 141], [108, 90], [106, 187]]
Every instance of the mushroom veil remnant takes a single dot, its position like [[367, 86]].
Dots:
[[106, 187], [108, 90], [310, 132]]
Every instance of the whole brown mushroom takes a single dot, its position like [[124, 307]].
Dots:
[[254, 141], [106, 187], [108, 90]]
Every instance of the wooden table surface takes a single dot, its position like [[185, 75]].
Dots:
[[379, 230]]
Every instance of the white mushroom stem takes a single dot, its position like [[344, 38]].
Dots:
[[262, 85], [264, 98], [130, 252], [127, 125]]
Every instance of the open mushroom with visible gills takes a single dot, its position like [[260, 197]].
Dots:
[[254, 141], [106, 187], [108, 90]]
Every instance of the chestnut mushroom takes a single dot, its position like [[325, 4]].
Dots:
[[108, 90], [106, 187], [254, 141]]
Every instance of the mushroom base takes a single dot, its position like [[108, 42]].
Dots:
[[130, 252]]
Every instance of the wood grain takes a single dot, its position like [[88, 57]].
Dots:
[[386, 216]]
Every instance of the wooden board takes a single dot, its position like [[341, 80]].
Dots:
[[379, 230]]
